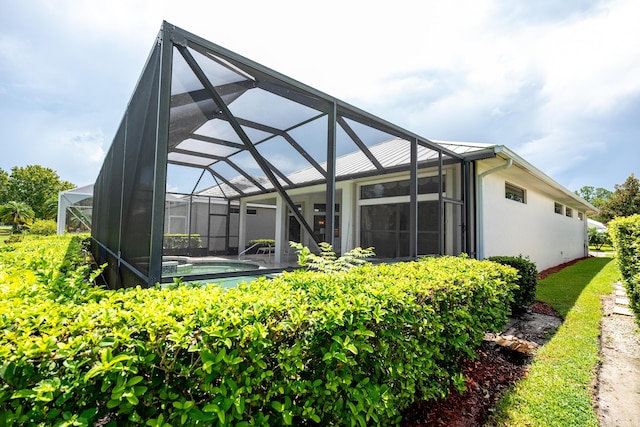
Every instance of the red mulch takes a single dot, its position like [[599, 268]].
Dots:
[[544, 273], [542, 308], [487, 377]]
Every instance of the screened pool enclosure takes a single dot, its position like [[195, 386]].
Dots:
[[259, 155]]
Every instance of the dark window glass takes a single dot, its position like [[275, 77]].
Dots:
[[426, 185], [385, 227], [558, 208], [512, 192], [322, 207]]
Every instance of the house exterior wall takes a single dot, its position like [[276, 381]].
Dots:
[[530, 229]]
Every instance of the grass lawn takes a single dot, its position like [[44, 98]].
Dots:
[[603, 248], [5, 233], [558, 389]]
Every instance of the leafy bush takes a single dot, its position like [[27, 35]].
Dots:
[[264, 241], [351, 348], [328, 261], [43, 227], [625, 235], [598, 238], [525, 294], [182, 241]]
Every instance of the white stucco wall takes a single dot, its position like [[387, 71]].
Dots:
[[530, 229]]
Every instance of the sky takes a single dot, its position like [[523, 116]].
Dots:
[[558, 82]]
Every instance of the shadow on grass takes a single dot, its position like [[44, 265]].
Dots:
[[562, 289]]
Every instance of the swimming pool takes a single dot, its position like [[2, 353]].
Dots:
[[185, 268], [231, 282], [181, 268]]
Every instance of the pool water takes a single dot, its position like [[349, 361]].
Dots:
[[231, 282], [175, 268], [184, 270]]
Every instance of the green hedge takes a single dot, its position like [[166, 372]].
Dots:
[[625, 234], [352, 348], [525, 294], [182, 241], [43, 227]]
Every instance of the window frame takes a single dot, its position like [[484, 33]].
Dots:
[[558, 208], [515, 197]]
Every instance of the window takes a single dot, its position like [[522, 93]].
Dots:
[[512, 192], [426, 185], [249, 211], [558, 208], [580, 216], [322, 207], [569, 212], [385, 227]]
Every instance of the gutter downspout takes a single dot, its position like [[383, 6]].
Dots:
[[480, 204]]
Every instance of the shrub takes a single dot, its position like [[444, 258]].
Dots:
[[328, 261], [43, 227], [263, 241], [525, 294], [182, 241], [625, 235], [305, 348]]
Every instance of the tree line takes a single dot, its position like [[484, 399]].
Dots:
[[622, 202], [29, 193]]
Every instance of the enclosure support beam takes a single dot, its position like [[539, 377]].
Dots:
[[243, 136], [330, 211], [441, 206], [466, 226], [160, 168], [413, 199]]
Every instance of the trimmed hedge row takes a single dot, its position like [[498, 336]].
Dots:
[[306, 348], [525, 294], [182, 241], [625, 235]]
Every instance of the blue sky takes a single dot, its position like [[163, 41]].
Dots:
[[558, 82]]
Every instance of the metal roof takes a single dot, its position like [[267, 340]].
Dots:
[[254, 129], [393, 154]]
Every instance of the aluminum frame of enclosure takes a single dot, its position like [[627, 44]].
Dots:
[[255, 131]]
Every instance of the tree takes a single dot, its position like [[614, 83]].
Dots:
[[50, 210], [598, 238], [16, 213], [35, 185], [4, 186], [625, 200], [596, 196]]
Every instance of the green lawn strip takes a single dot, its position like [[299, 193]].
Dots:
[[603, 248], [558, 389]]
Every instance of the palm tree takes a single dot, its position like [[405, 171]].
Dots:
[[16, 213], [50, 209]]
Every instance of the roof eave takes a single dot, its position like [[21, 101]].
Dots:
[[506, 153]]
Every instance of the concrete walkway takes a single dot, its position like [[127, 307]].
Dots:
[[619, 376]]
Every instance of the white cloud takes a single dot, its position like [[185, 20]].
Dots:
[[79, 153], [536, 76], [561, 151]]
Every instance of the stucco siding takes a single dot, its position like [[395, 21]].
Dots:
[[530, 229]]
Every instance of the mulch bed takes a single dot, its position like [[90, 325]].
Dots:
[[488, 377], [544, 273]]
